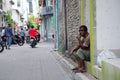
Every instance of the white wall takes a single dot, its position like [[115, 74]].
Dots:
[[35, 7], [15, 15], [87, 20], [108, 24], [7, 5], [25, 10]]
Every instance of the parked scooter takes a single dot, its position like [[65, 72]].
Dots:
[[1, 45], [18, 40]]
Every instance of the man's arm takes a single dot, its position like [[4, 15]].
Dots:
[[11, 32], [86, 44], [76, 47]]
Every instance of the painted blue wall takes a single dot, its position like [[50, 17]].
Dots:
[[57, 26]]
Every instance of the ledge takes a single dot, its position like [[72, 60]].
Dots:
[[111, 69]]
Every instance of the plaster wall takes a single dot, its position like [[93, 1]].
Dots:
[[87, 20], [15, 16], [25, 10], [35, 7], [8, 7], [108, 25]]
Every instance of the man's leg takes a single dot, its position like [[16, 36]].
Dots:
[[77, 59], [9, 42], [81, 66], [82, 69], [78, 64]]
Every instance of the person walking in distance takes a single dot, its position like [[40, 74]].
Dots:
[[8, 34], [82, 50]]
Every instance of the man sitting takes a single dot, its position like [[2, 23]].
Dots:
[[82, 50]]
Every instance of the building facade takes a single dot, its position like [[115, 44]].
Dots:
[[102, 20], [47, 20], [69, 23], [3, 11]]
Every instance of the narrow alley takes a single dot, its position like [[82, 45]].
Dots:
[[80, 39], [26, 63]]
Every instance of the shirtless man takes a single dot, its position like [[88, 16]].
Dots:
[[82, 50]]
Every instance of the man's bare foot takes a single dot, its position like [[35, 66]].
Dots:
[[83, 70], [80, 70], [76, 68]]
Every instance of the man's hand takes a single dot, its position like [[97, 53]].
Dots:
[[78, 37], [71, 53]]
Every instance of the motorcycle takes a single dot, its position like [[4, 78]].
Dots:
[[38, 37], [1, 45], [17, 40], [33, 42]]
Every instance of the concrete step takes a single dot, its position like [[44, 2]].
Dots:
[[69, 64]]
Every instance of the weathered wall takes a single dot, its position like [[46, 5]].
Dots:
[[73, 21], [103, 21], [62, 25], [70, 23]]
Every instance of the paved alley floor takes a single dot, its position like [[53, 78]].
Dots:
[[26, 63]]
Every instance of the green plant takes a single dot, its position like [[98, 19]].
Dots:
[[9, 19], [33, 22], [8, 16]]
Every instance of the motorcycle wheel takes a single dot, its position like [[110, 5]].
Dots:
[[33, 44], [1, 48], [20, 43]]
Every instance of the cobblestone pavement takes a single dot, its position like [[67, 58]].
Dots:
[[26, 63], [40, 63]]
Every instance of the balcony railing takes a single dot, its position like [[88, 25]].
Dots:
[[48, 10]]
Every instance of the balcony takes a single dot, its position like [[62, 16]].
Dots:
[[48, 10]]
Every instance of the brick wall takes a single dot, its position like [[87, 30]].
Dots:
[[72, 22]]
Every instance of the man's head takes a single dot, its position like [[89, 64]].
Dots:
[[9, 24], [32, 26], [21, 28], [83, 30]]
